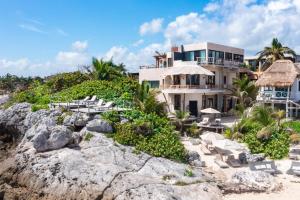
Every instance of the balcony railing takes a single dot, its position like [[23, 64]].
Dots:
[[212, 60], [216, 87], [273, 95]]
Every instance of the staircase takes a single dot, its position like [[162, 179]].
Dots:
[[292, 106]]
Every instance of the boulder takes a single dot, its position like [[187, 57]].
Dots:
[[50, 138], [252, 181], [76, 119], [100, 126]]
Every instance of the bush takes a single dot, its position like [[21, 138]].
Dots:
[[62, 81], [295, 125], [194, 130], [126, 135], [36, 107], [112, 117]]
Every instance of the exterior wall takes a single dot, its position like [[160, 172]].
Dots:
[[213, 46], [295, 94]]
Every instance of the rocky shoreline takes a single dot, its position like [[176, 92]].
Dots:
[[54, 159]]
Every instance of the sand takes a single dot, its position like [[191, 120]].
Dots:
[[291, 184]]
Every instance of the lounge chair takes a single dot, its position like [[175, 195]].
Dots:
[[92, 100], [205, 121], [295, 169], [233, 162], [81, 101], [107, 106], [294, 154], [205, 150], [98, 104], [266, 166], [220, 162]]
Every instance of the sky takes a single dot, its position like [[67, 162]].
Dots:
[[43, 37]]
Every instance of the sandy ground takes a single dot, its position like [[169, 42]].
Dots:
[[291, 184]]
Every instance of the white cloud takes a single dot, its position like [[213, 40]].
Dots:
[[154, 26], [244, 24], [61, 32], [69, 58], [211, 7], [138, 43], [80, 45], [30, 27]]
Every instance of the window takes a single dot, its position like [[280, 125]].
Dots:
[[238, 58], [170, 62], [178, 56], [228, 56], [225, 80], [216, 56], [210, 102], [177, 102], [176, 80], [298, 85], [192, 79], [211, 80], [189, 56], [153, 84]]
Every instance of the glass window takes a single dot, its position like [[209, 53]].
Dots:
[[211, 80], [189, 56], [298, 85], [225, 80], [228, 56], [153, 84], [176, 80], [238, 58], [203, 54], [177, 56], [192, 79], [177, 102]]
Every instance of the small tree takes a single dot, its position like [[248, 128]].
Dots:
[[181, 117]]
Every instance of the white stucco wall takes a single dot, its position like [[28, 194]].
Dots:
[[295, 94]]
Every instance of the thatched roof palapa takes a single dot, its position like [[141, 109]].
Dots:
[[281, 73]]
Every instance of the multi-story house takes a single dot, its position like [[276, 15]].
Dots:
[[279, 87], [195, 76]]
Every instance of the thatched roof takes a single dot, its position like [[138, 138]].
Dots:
[[281, 73]]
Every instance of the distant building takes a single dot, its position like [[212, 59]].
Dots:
[[195, 76]]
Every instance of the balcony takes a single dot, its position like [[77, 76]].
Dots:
[[195, 88], [269, 95], [213, 61]]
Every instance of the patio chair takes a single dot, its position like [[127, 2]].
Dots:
[[98, 104], [231, 161], [205, 121], [220, 162], [266, 166], [82, 100], [107, 106], [295, 169], [92, 100], [205, 150], [294, 154]]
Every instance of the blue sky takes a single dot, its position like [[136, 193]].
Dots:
[[43, 37]]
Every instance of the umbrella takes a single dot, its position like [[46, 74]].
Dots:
[[210, 111], [209, 137]]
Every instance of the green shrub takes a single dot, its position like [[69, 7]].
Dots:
[[125, 134], [112, 117], [66, 80], [36, 107], [60, 120], [295, 125], [188, 173], [194, 130]]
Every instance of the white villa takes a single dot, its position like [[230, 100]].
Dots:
[[279, 86], [195, 76]]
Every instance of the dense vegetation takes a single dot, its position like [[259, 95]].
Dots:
[[263, 132], [147, 128], [149, 133], [11, 83]]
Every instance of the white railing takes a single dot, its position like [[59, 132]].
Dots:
[[212, 60], [272, 95]]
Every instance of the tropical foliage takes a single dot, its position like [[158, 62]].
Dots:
[[263, 132], [150, 133], [245, 93], [10, 83], [145, 100], [180, 118], [107, 70], [275, 52]]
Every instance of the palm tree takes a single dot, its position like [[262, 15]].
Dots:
[[107, 70], [245, 92], [181, 117], [275, 52], [145, 99]]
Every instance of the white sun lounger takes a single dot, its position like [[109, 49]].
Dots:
[[93, 99], [107, 106], [81, 101], [98, 104], [204, 121]]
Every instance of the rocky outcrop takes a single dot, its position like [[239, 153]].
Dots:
[[252, 181], [48, 166], [100, 126]]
